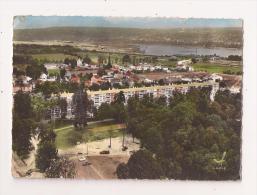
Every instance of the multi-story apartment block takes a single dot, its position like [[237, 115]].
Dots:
[[107, 96]]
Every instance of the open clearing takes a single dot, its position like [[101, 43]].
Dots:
[[67, 136], [215, 68]]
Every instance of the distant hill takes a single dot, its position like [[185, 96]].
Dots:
[[207, 37]]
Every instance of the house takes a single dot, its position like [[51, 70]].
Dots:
[[75, 79], [132, 67], [22, 83], [43, 77], [184, 62], [148, 80], [184, 65], [216, 77], [96, 79], [79, 63], [24, 88], [23, 80], [51, 66]]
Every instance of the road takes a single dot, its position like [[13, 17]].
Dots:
[[102, 167]]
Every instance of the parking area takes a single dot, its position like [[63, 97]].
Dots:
[[99, 167]]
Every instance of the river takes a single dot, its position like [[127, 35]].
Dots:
[[161, 50]]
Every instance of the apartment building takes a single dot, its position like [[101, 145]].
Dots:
[[107, 96]]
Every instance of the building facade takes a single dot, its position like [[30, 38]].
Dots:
[[107, 96]]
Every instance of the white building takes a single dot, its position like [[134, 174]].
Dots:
[[184, 62], [216, 77], [51, 66], [79, 63], [107, 96], [43, 77]]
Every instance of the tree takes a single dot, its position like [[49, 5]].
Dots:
[[161, 82], [22, 105], [61, 168], [193, 60], [40, 106], [126, 59], [87, 60], [22, 124], [94, 87], [80, 103], [104, 111], [48, 88], [162, 101], [109, 64], [119, 112], [63, 105], [185, 137], [234, 57], [72, 62], [122, 171], [21, 136], [141, 165], [46, 151], [62, 73], [100, 59], [119, 97], [34, 71]]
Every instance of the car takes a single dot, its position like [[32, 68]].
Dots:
[[86, 163], [82, 158], [105, 152], [124, 148]]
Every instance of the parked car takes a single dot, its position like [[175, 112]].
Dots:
[[82, 158], [105, 152], [86, 163], [124, 148]]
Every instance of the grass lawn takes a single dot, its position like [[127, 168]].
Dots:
[[67, 136], [215, 68], [54, 71]]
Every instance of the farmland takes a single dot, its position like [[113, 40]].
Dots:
[[216, 68]]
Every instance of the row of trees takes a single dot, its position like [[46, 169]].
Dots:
[[47, 88], [48, 160], [28, 115], [189, 138], [23, 125]]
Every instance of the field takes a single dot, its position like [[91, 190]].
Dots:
[[52, 57], [215, 68], [67, 136]]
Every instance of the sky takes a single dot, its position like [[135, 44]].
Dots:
[[25, 22]]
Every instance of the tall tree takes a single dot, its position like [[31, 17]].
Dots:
[[80, 103], [22, 124], [61, 168], [63, 105], [46, 151]]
